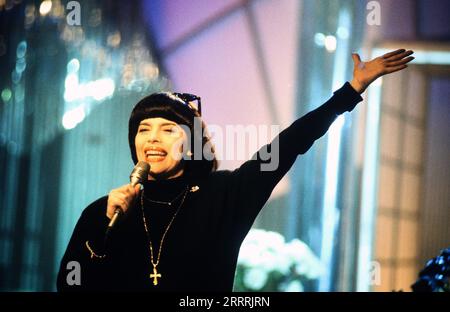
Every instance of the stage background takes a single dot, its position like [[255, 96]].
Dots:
[[370, 195]]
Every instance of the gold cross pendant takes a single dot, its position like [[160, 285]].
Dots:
[[155, 276]]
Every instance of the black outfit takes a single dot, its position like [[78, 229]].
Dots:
[[201, 247]]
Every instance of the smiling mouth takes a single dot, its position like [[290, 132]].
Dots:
[[155, 156]]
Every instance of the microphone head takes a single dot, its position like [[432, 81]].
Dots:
[[139, 173]]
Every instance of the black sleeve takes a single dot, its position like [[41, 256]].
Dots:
[[90, 228], [254, 180]]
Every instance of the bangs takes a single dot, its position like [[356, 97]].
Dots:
[[162, 105], [170, 107]]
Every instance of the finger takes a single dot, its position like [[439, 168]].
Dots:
[[356, 58], [133, 191], [119, 195], [399, 56], [394, 69], [129, 190], [122, 199], [123, 189], [117, 199], [388, 55], [116, 205], [401, 62]]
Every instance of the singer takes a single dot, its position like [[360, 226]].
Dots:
[[181, 227]]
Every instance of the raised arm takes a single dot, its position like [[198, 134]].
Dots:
[[255, 179]]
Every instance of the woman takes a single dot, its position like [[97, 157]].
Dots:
[[183, 228]]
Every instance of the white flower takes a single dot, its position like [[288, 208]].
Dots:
[[263, 252], [292, 286], [255, 278], [306, 262], [249, 255]]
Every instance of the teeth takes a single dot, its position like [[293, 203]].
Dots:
[[156, 154]]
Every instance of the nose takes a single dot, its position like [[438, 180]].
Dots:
[[153, 136]]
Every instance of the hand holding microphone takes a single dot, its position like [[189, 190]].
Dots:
[[120, 199]]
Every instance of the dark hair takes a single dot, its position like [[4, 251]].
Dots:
[[171, 107]]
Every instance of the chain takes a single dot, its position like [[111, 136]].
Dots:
[[169, 203], [155, 275], [93, 254]]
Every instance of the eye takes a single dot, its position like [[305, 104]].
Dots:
[[171, 130], [143, 129]]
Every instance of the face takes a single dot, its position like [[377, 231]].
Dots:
[[159, 142]]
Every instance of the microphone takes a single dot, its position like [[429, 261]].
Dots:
[[138, 175]]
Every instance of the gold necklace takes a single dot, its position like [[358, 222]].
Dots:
[[169, 203], [155, 275]]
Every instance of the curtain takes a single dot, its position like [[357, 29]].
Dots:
[[67, 91]]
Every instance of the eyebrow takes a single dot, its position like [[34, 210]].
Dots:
[[163, 124]]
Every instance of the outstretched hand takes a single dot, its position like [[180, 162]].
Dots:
[[364, 73]]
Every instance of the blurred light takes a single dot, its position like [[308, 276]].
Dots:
[[342, 32], [102, 88], [45, 7], [95, 18], [82, 91], [151, 71], [88, 88], [21, 49], [29, 20], [71, 88], [58, 9], [71, 81], [98, 89], [378, 82], [21, 65], [73, 66], [15, 76], [78, 35], [330, 43], [6, 95], [19, 93], [30, 10], [73, 117], [319, 39], [90, 48], [114, 39], [70, 95], [67, 34]]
